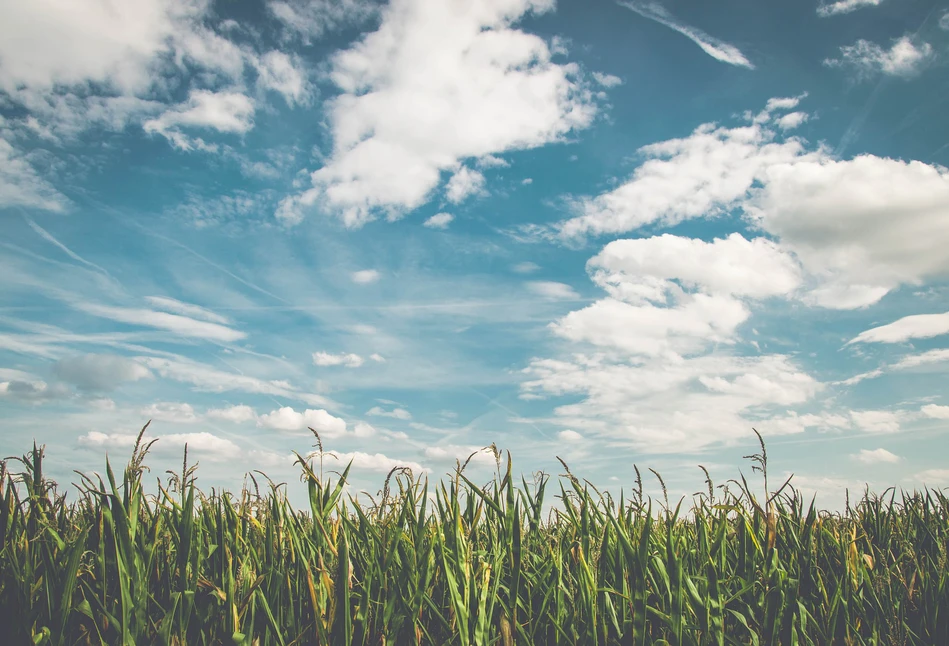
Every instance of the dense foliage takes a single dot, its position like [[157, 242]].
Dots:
[[463, 564]]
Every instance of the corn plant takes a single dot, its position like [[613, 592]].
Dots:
[[462, 562]]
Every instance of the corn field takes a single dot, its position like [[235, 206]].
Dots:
[[463, 563]]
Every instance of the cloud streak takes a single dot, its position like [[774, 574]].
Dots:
[[717, 49]]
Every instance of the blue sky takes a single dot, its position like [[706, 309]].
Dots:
[[614, 232]]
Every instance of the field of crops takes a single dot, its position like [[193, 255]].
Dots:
[[459, 562]]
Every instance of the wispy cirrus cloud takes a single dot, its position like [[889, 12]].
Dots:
[[176, 323], [916, 326], [845, 6], [717, 49], [866, 59]]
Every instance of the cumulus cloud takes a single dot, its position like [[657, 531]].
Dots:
[[395, 413], [875, 456], [21, 185], [673, 403], [227, 112], [844, 6], [365, 276], [646, 269], [717, 49], [439, 221], [935, 411], [552, 290], [287, 419], [404, 116], [876, 421], [310, 19], [607, 80], [859, 227], [376, 462], [47, 43], [92, 65], [917, 326], [649, 361], [904, 58], [669, 294], [205, 444], [176, 412], [278, 72], [237, 414], [100, 372], [569, 436], [463, 184], [791, 120], [343, 359], [32, 390]]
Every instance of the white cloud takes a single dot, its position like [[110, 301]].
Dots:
[[860, 227], [21, 185], [436, 84], [866, 59], [310, 19], [50, 42], [844, 6], [186, 309], [451, 452], [100, 372], [439, 221], [492, 161], [170, 412], [365, 276], [227, 111], [607, 80], [526, 267], [791, 120], [569, 436], [287, 419], [717, 49], [342, 359], [876, 421], [176, 323], [206, 444], [32, 390], [944, 21], [934, 477], [934, 411], [237, 414], [669, 294], [552, 290], [279, 72], [674, 404], [876, 456], [917, 326], [644, 269], [924, 358], [376, 462], [708, 173], [396, 413], [463, 184], [378, 358], [207, 379]]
